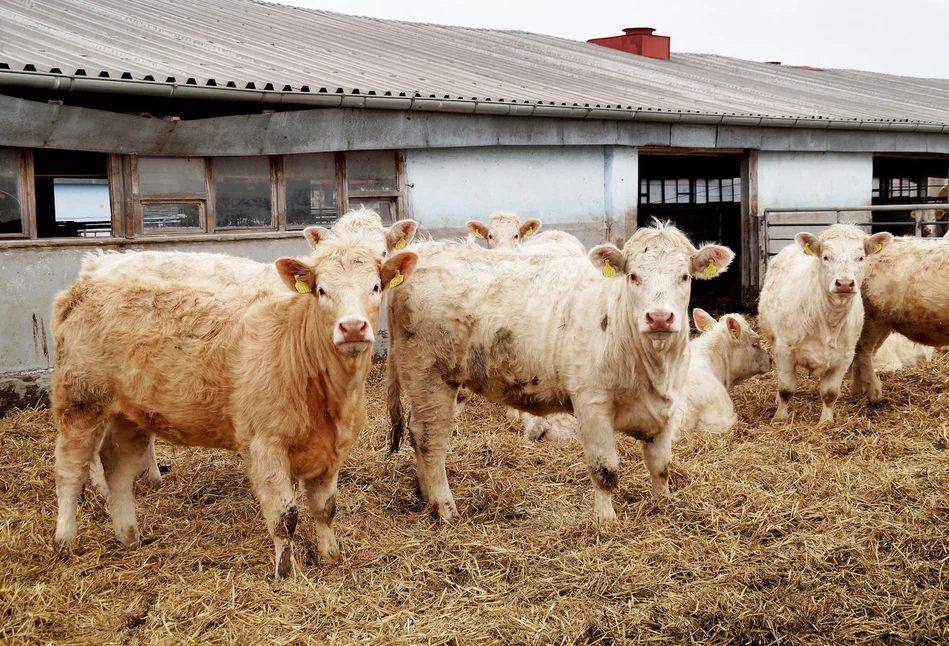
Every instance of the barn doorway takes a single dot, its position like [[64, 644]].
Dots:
[[906, 180], [701, 195]]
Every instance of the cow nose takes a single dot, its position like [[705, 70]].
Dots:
[[660, 320], [844, 285], [353, 328]]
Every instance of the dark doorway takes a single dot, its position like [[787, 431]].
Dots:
[[72, 193], [701, 195], [906, 180]]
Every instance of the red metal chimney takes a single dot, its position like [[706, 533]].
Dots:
[[637, 40]]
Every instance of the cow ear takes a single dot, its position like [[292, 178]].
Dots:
[[314, 235], [608, 259], [296, 275], [400, 234], [530, 227], [478, 229], [703, 320], [809, 243], [877, 242], [397, 268], [711, 260], [733, 326]]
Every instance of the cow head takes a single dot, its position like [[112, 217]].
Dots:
[[504, 230], [840, 253], [932, 225], [657, 266], [346, 282], [744, 355], [366, 225]]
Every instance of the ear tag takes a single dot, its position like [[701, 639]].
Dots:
[[401, 243], [478, 234], [396, 280], [711, 271], [708, 327], [877, 248], [529, 232], [302, 287], [608, 271], [807, 249], [734, 334]]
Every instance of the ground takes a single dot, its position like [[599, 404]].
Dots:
[[772, 534]]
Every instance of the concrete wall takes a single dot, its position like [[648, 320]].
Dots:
[[809, 179], [587, 190]]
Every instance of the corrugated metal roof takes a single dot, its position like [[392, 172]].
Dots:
[[241, 42]]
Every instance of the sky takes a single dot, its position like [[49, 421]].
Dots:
[[903, 37]]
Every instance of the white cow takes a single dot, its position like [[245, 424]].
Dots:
[[506, 231], [604, 338], [360, 226], [898, 352], [727, 352], [904, 291], [810, 309], [933, 220]]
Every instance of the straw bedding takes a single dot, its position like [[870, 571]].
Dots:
[[773, 534]]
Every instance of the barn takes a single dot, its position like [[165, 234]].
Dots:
[[230, 125]]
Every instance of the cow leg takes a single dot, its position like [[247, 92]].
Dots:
[[830, 391], [599, 451], [151, 473], [122, 451], [865, 380], [657, 453], [321, 496], [787, 381], [431, 426], [269, 473], [76, 444]]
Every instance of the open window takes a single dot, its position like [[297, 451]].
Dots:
[[71, 192]]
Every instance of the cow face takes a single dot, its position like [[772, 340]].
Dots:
[[504, 230], [366, 226], [346, 282], [840, 254], [657, 266], [932, 225]]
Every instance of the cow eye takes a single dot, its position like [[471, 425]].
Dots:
[[633, 277], [490, 237], [321, 291], [860, 259], [685, 278], [754, 345], [826, 258], [376, 288], [515, 236]]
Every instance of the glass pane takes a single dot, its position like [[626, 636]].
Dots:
[[385, 208], [242, 192], [655, 191], [682, 191], [715, 190], [737, 183], [727, 190], [700, 191], [172, 216], [82, 206], [311, 189], [171, 175], [371, 170], [669, 196], [10, 218]]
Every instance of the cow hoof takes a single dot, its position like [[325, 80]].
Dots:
[[128, 536], [445, 511]]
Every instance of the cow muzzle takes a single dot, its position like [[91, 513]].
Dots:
[[660, 321], [844, 286], [353, 334]]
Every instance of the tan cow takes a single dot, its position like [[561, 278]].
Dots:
[[811, 312], [933, 220], [726, 353], [506, 231], [904, 291], [360, 225], [278, 377], [604, 338]]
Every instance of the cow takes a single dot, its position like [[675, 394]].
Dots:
[[904, 292], [932, 220], [279, 377], [898, 352], [362, 224], [604, 338], [506, 231], [727, 352], [811, 312]]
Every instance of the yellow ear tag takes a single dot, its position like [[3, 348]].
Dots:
[[734, 334], [401, 243], [478, 234], [877, 248], [302, 287], [529, 232], [608, 271], [396, 280], [711, 271], [807, 250], [708, 327]]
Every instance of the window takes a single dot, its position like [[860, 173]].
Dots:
[[242, 192], [72, 194], [11, 203], [372, 180], [171, 195], [690, 190], [310, 184]]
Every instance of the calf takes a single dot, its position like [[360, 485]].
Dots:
[[604, 338], [279, 377], [810, 309], [727, 352], [904, 291]]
